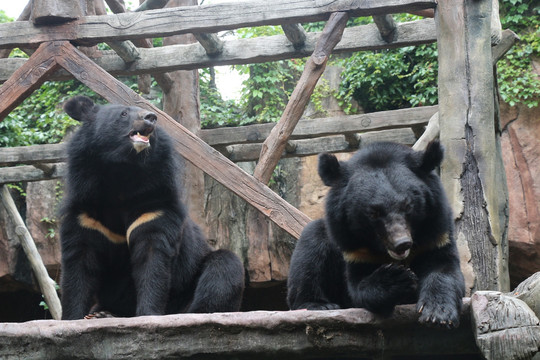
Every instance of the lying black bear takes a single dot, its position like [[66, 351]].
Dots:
[[387, 238], [128, 244]]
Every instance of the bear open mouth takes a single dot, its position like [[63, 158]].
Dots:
[[136, 136], [140, 139], [399, 256]]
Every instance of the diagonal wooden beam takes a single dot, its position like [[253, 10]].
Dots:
[[27, 78], [275, 143], [187, 144]]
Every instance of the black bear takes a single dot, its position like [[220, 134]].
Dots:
[[128, 245], [387, 238]]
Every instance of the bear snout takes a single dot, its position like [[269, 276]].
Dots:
[[150, 118]]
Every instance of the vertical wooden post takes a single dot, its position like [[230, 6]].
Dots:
[[472, 171]]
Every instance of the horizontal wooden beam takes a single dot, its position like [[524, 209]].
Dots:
[[209, 18], [245, 51], [334, 143], [311, 128], [250, 335], [220, 137]]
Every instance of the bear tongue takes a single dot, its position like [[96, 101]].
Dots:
[[139, 137]]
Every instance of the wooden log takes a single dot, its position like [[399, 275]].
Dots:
[[188, 145], [335, 125], [431, 133], [205, 18], [31, 173], [274, 145], [250, 335], [314, 146], [116, 6], [529, 292], [243, 51], [505, 327], [472, 171], [46, 284], [27, 78], [53, 12], [211, 43], [386, 26], [33, 154], [296, 34]]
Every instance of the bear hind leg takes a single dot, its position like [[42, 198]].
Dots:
[[220, 285]]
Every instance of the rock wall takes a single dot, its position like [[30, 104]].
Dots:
[[520, 143]]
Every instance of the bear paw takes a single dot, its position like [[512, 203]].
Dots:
[[396, 279], [441, 315]]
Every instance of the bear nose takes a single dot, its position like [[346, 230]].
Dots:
[[150, 118], [402, 245]]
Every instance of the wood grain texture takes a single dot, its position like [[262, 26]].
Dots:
[[188, 145], [505, 327], [249, 335], [209, 18], [274, 145], [472, 172], [244, 51], [27, 78]]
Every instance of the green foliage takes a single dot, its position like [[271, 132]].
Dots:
[[40, 118], [215, 111], [267, 89], [389, 79], [517, 81]]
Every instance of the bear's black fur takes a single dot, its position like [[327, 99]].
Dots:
[[387, 238], [128, 245]]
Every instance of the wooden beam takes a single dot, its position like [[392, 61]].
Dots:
[[32, 173], [188, 145], [314, 146], [46, 284], [205, 18], [27, 78], [472, 171], [296, 34], [250, 335], [52, 12], [274, 145], [386, 26], [244, 51], [211, 43]]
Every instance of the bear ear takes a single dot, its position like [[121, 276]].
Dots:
[[80, 108], [432, 157], [330, 169]]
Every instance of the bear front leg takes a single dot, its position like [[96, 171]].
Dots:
[[151, 261], [384, 288], [441, 289], [80, 271]]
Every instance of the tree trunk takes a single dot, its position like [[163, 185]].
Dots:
[[472, 171]]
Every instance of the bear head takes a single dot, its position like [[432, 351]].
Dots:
[[116, 130], [382, 197]]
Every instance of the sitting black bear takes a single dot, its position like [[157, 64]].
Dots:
[[128, 245], [387, 238]]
